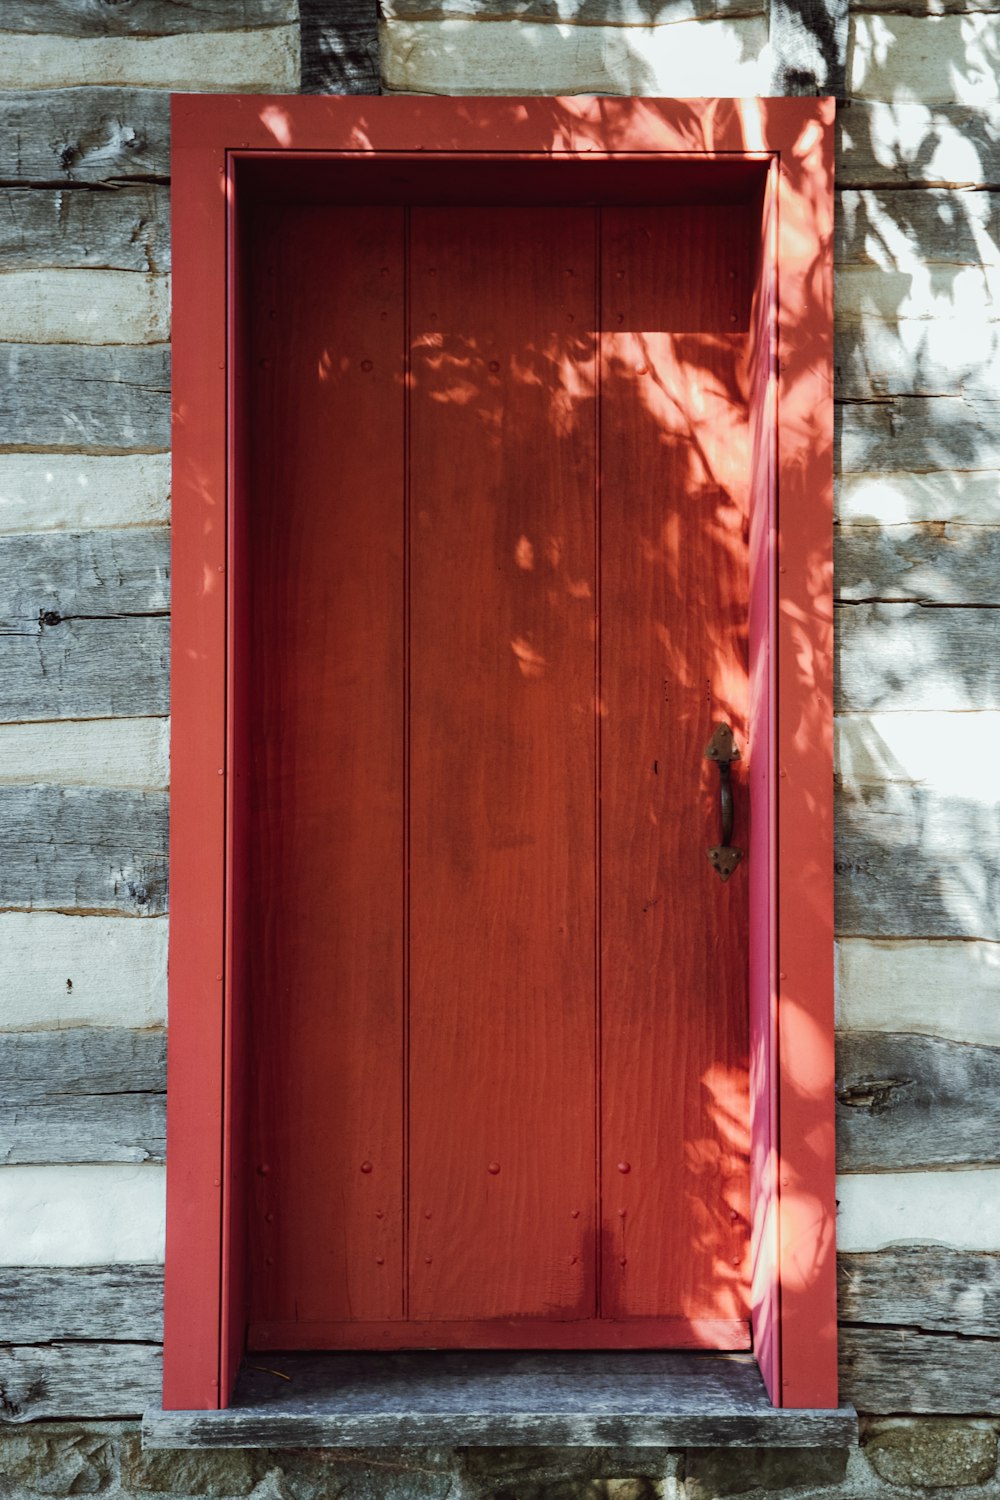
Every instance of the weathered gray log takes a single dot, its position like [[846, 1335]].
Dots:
[[86, 1094], [917, 435], [934, 562], [580, 12], [78, 1380], [92, 399], [809, 46], [60, 136], [84, 631], [39, 1303], [339, 46], [118, 229], [929, 1287], [904, 1370], [84, 574], [895, 144], [874, 359], [908, 656], [86, 669], [915, 1101], [927, 7], [83, 849], [941, 226], [910, 862], [142, 17]]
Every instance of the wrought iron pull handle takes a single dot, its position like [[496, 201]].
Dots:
[[722, 749]]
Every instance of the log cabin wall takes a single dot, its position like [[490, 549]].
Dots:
[[84, 560]]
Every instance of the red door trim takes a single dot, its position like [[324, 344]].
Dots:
[[792, 640]]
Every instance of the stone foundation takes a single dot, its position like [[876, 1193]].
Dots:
[[933, 1457]]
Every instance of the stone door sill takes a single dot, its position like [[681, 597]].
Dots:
[[501, 1399]]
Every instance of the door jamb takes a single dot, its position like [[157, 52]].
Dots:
[[791, 959]]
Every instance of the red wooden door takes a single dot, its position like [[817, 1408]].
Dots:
[[499, 580]]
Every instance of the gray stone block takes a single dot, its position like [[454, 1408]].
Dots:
[[715, 1472], [222, 1473], [61, 1458], [932, 1453]]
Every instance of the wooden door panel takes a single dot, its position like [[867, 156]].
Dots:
[[502, 764], [675, 1120], [326, 541], [498, 552]]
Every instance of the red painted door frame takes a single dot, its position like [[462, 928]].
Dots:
[[790, 773]]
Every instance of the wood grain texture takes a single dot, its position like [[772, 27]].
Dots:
[[495, 1399], [915, 1101], [673, 653], [123, 229], [262, 61], [78, 1380], [81, 575], [903, 656], [926, 1287], [85, 399], [502, 768], [689, 58], [73, 135], [84, 631], [573, 12], [339, 46], [896, 499], [934, 563], [97, 18], [940, 988], [87, 1095], [83, 849], [908, 357], [928, 7], [903, 143], [917, 434], [41, 1303], [86, 668], [81, 971], [905, 1370], [943, 59], [809, 47], [908, 228], [326, 533], [910, 863]]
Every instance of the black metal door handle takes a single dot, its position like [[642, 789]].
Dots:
[[723, 750]]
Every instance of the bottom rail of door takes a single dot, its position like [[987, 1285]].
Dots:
[[508, 1333]]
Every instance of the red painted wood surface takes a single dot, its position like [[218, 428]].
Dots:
[[698, 137], [192, 1309], [675, 298], [762, 945], [529, 1081], [508, 1333], [502, 792], [325, 579], [804, 849]]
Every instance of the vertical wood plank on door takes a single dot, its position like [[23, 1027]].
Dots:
[[762, 938], [502, 761], [675, 303], [326, 564]]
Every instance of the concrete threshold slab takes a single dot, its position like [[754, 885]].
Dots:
[[499, 1399]]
